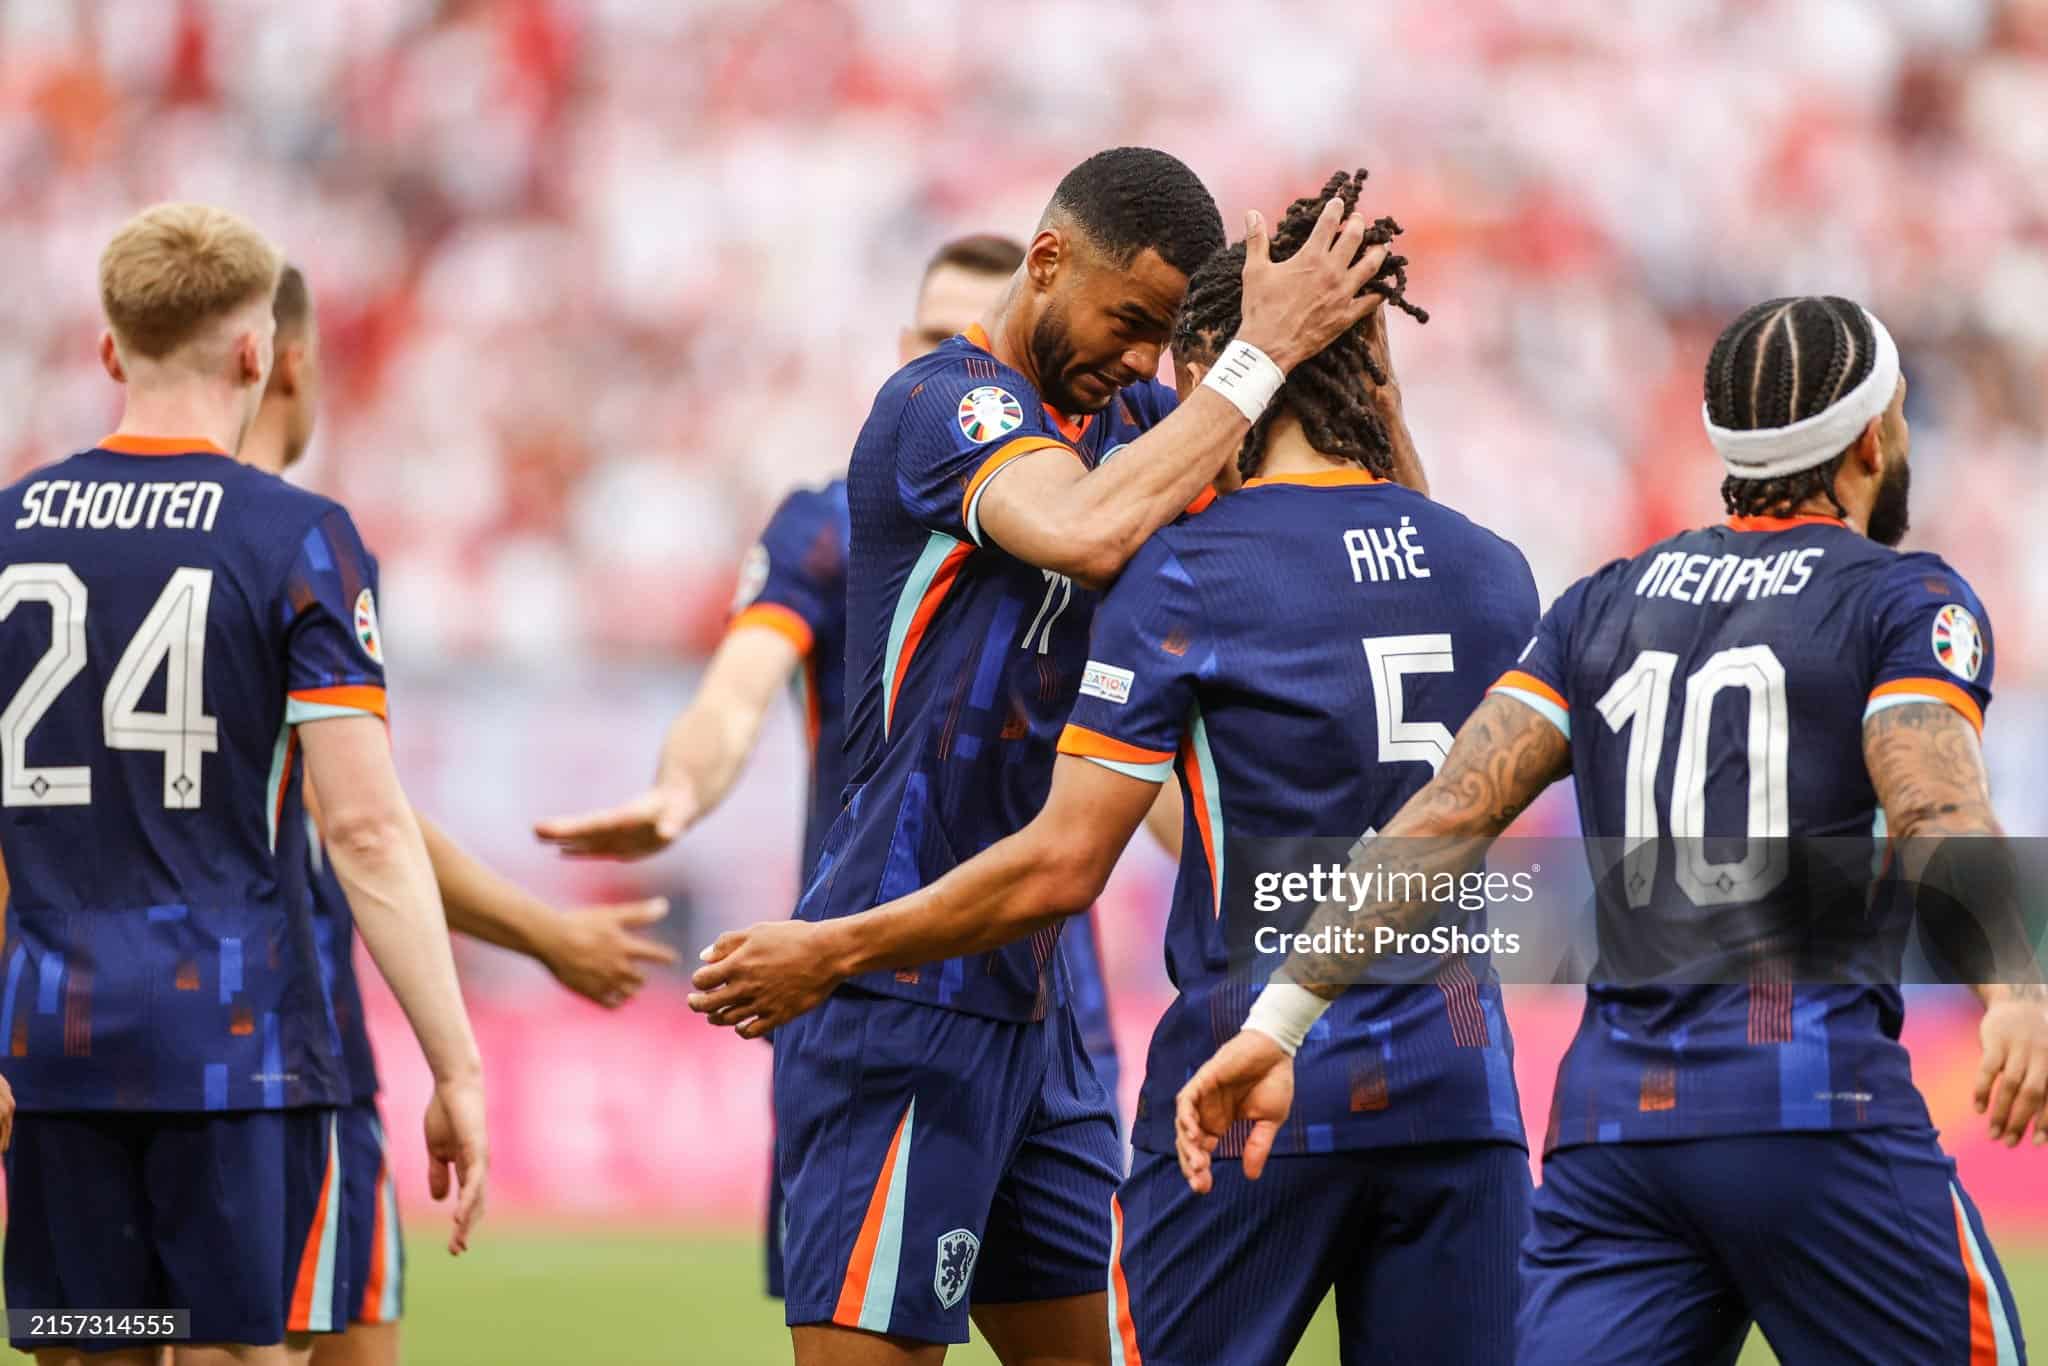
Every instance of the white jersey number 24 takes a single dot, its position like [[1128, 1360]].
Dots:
[[171, 638]]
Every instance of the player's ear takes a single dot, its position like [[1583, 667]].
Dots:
[[906, 345], [110, 357], [1187, 377], [285, 370], [249, 358], [1868, 452], [1045, 255]]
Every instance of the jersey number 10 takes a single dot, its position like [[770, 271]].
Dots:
[[1640, 702], [171, 637]]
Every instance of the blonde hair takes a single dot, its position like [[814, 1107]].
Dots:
[[174, 268]]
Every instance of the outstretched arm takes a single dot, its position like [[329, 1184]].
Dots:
[[759, 978], [1927, 765], [596, 953], [1503, 758], [375, 847], [706, 748]]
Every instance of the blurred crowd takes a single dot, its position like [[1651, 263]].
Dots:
[[600, 280]]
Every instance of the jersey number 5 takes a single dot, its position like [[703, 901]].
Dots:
[[1389, 659], [1640, 702], [172, 638]]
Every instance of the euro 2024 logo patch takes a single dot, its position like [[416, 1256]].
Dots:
[[1958, 643], [367, 633], [955, 1269], [989, 412]]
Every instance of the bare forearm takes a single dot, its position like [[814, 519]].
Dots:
[[705, 750], [1166, 819], [1993, 993], [483, 905], [1089, 527], [385, 871], [1927, 767], [706, 747], [1007, 892]]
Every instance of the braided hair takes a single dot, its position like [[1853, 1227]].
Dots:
[[1326, 393], [1779, 363]]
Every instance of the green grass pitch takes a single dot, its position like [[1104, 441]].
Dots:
[[526, 1296], [535, 1296]]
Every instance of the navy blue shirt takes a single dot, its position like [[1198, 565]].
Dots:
[[962, 661], [1714, 689], [1300, 654], [167, 618]]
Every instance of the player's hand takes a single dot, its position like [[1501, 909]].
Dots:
[[458, 1153], [1294, 308], [645, 825], [756, 979], [2012, 1081], [1251, 1077], [596, 952], [6, 1114]]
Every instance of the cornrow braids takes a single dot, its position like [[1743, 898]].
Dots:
[[1326, 393], [1779, 363]]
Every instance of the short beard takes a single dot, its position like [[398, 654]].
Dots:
[[1889, 520], [1053, 356]]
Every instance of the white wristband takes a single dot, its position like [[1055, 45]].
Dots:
[[1284, 1013], [1247, 377]]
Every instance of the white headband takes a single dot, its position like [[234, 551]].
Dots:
[[1770, 452]]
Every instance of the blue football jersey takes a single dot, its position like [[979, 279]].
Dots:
[[167, 618], [1714, 689], [1300, 653], [962, 661], [794, 582]]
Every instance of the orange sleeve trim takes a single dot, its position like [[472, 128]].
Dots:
[[1202, 501], [1938, 689], [1526, 682], [362, 696], [1091, 744], [1003, 455], [783, 621]]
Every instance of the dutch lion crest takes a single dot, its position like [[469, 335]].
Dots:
[[955, 1267]]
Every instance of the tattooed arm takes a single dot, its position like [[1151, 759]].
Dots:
[[1503, 758], [1928, 768]]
